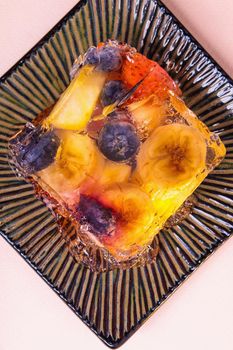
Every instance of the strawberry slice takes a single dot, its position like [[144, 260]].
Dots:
[[157, 81]]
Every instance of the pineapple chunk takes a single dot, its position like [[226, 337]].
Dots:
[[75, 106]]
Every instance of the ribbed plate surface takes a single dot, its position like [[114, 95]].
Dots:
[[114, 304]]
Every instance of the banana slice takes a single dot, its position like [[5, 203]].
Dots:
[[134, 211], [212, 139], [172, 155], [75, 106], [148, 114], [78, 160]]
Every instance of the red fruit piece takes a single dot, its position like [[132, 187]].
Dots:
[[157, 81]]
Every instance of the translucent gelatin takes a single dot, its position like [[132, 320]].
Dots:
[[117, 155]]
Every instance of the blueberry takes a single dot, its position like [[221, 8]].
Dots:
[[109, 59], [118, 141], [106, 58], [99, 219], [112, 91], [92, 56], [36, 149]]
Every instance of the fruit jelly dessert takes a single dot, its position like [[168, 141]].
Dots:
[[120, 151]]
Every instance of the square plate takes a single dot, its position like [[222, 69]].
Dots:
[[116, 303]]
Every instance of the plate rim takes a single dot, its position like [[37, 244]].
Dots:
[[208, 254], [116, 344], [76, 8]]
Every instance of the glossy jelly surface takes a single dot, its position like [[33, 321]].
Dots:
[[120, 151]]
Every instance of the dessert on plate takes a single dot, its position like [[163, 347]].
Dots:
[[119, 152]]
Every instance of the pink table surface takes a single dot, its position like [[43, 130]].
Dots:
[[200, 314]]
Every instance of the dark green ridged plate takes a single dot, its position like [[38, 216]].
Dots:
[[116, 303]]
